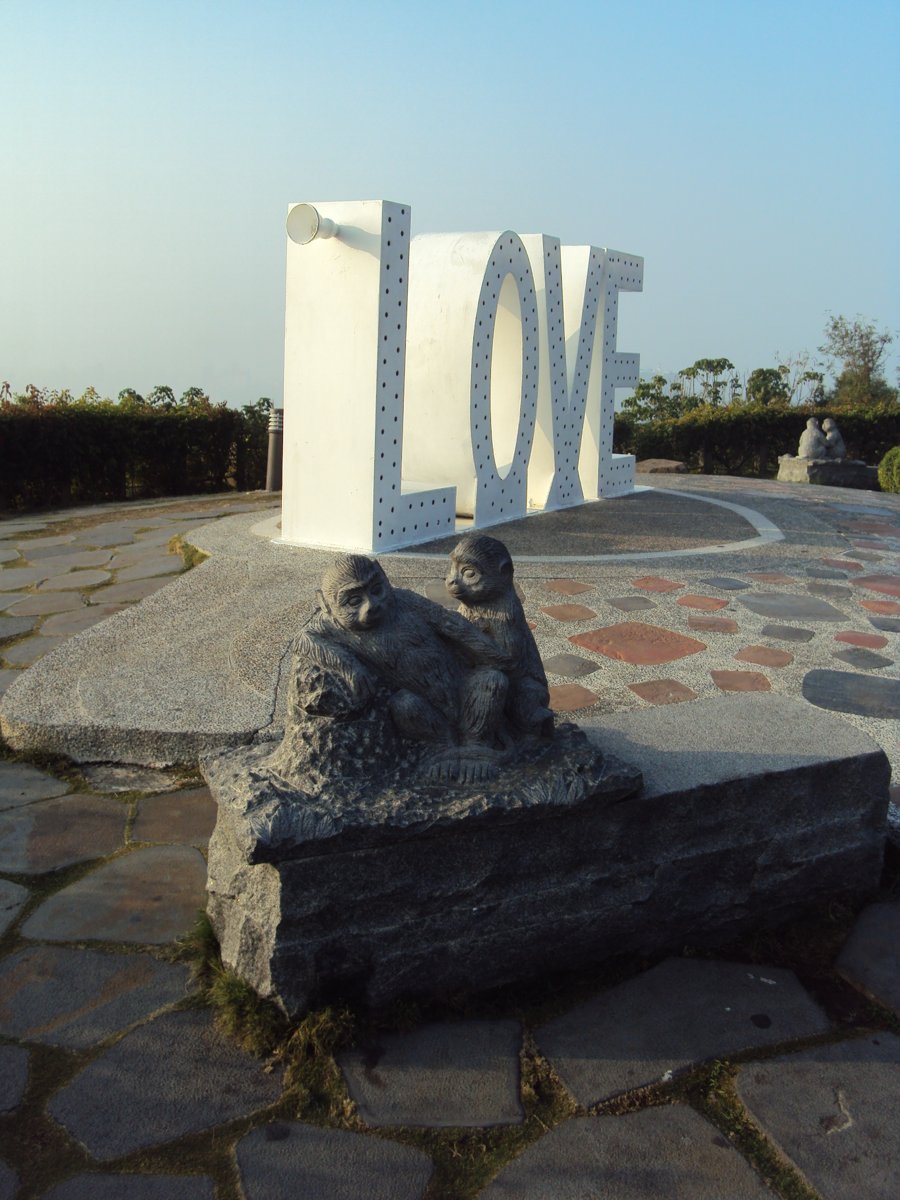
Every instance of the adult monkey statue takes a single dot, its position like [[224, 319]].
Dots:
[[480, 577], [812, 441], [834, 442], [446, 682]]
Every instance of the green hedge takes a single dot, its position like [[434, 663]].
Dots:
[[748, 441], [55, 456], [889, 471]]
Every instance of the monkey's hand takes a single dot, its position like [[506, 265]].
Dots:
[[477, 647]]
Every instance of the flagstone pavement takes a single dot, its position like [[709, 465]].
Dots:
[[114, 1078]]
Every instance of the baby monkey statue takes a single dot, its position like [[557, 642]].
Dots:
[[481, 578]]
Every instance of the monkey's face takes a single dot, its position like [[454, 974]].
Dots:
[[480, 570], [361, 601], [467, 581]]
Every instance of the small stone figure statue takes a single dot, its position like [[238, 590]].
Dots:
[[443, 681], [834, 443], [812, 441], [480, 576]]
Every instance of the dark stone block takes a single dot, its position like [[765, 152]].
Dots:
[[788, 633], [865, 660], [825, 573], [570, 665], [843, 691], [833, 590], [791, 608], [885, 624], [725, 583], [735, 829], [631, 603], [400, 891]]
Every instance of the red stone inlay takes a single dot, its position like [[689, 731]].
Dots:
[[889, 584], [568, 697], [867, 544], [653, 583], [769, 576], [842, 564], [568, 612], [635, 642], [740, 681], [870, 640], [531, 624], [764, 656], [663, 691], [887, 608], [706, 603], [712, 624], [568, 587]]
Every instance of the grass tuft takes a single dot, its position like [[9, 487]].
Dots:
[[200, 948], [191, 556], [313, 1075], [256, 1024], [713, 1094]]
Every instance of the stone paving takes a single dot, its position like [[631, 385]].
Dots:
[[115, 1081]]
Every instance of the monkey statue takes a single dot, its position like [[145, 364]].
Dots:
[[812, 441], [446, 681], [834, 443], [480, 577]]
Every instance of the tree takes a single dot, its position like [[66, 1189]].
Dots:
[[129, 398], [707, 382], [805, 384], [768, 385], [714, 380], [194, 398], [654, 400], [859, 347], [161, 396]]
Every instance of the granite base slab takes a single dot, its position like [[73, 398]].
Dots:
[[831, 473], [754, 809]]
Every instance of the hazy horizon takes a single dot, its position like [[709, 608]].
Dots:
[[748, 152]]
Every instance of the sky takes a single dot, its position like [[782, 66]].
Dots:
[[748, 150]]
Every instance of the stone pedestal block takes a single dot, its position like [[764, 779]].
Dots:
[[754, 808], [831, 472]]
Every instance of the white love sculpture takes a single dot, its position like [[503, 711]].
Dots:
[[470, 373]]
